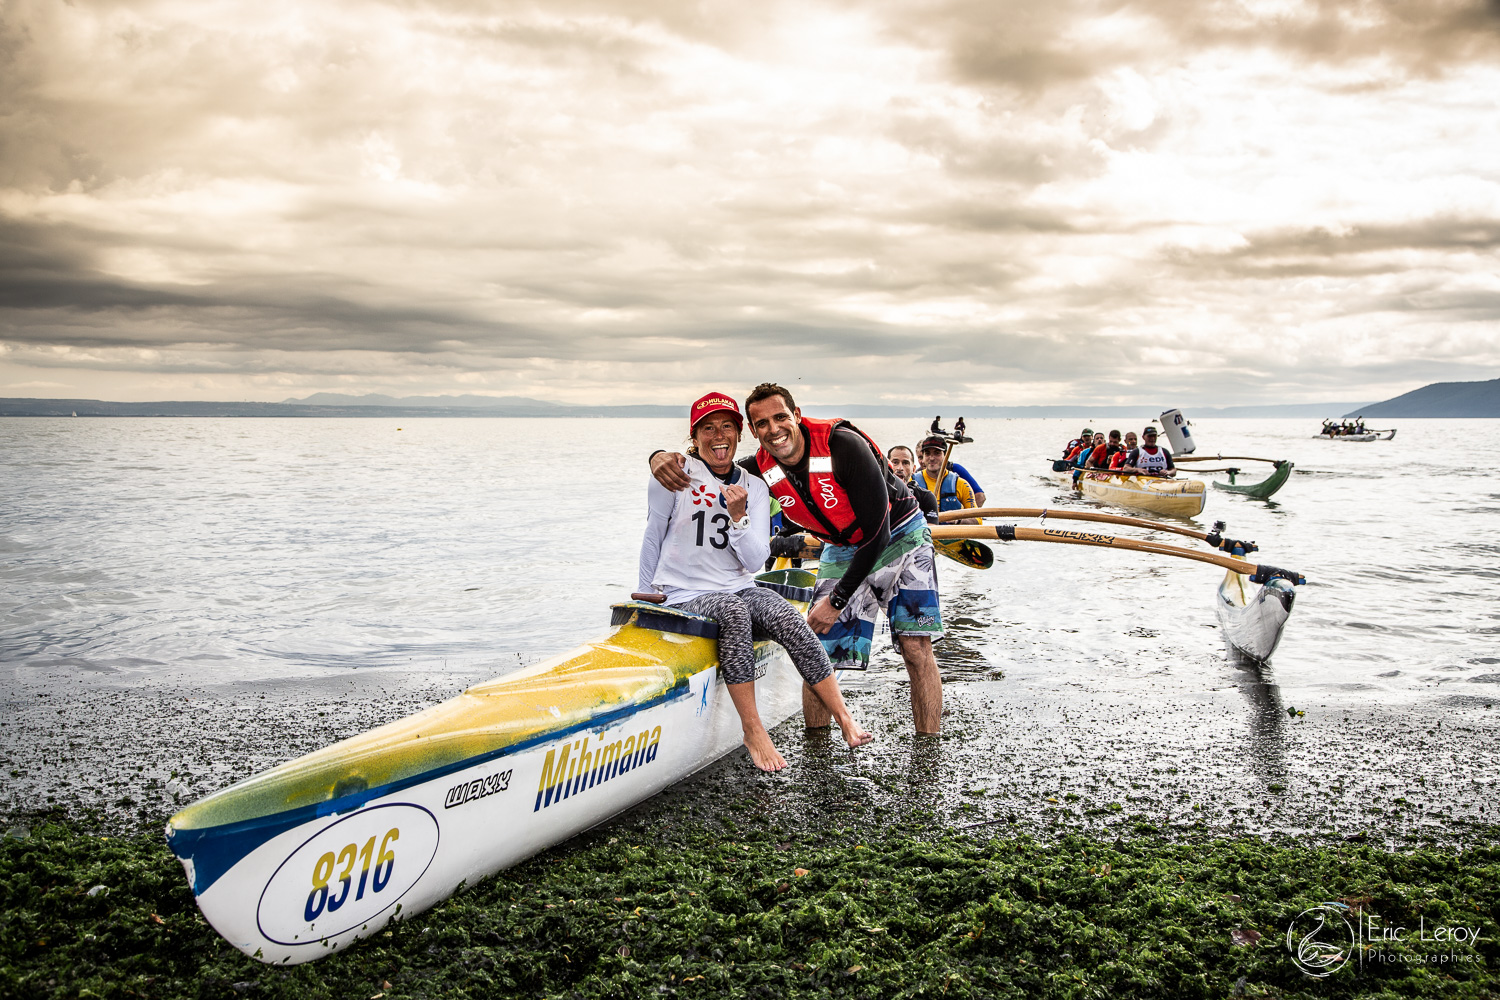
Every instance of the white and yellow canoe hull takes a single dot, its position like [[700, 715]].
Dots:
[[304, 859], [1173, 497]]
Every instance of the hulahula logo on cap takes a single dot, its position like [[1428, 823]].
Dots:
[[715, 401], [1321, 940]]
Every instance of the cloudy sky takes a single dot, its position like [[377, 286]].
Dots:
[[1032, 201]]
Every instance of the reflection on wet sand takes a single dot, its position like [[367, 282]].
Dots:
[[924, 772], [1266, 741], [968, 623]]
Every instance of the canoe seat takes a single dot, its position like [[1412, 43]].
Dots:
[[665, 619], [793, 584]]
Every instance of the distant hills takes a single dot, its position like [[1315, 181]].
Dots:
[[333, 404], [330, 405], [1440, 399], [487, 406]]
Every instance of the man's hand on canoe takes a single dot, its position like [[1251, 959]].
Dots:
[[667, 467], [822, 616]]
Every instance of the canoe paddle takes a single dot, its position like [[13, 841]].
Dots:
[[1215, 538], [1011, 533]]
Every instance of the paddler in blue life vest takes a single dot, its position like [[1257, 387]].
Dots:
[[1150, 458], [904, 461], [834, 483], [939, 478], [1084, 451]]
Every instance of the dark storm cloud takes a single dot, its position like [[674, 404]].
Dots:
[[1358, 250], [1037, 45]]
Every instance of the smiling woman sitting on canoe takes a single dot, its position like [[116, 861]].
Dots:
[[702, 548]]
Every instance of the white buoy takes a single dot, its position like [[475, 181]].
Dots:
[[1175, 426]]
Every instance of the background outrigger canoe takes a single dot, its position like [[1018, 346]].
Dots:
[[1172, 497]]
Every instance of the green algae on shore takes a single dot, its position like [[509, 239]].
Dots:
[[632, 911]]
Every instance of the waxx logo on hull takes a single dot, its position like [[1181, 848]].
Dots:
[[575, 768]]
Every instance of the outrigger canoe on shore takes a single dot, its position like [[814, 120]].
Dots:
[[315, 853]]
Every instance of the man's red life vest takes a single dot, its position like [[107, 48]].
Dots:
[[828, 512]]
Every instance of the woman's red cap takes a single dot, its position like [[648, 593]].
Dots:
[[712, 403]]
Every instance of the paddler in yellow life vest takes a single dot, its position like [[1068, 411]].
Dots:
[[952, 492]]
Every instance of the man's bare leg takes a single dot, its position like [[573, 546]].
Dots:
[[815, 714], [827, 691], [762, 751], [926, 683]]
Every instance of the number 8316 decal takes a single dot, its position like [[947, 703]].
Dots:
[[385, 866], [347, 873]]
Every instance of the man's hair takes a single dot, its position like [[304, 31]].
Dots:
[[899, 447], [765, 391], [1114, 434]]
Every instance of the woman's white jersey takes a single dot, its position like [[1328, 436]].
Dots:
[[691, 546]]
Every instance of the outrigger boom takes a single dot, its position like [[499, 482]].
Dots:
[[1011, 533]]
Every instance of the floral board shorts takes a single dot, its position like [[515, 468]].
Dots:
[[903, 584]]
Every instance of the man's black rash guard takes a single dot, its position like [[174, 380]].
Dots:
[[870, 484]]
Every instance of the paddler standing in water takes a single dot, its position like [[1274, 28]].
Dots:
[[701, 550], [833, 482]]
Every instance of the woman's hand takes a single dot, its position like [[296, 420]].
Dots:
[[735, 498]]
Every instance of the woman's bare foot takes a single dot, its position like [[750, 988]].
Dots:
[[854, 735], [762, 751]]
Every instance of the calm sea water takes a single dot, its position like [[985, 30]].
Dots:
[[192, 550]]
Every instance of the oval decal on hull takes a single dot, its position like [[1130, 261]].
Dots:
[[347, 874]]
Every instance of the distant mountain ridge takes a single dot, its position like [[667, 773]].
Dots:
[[466, 401], [332, 404], [1440, 399], [537, 407]]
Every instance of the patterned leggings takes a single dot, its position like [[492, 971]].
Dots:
[[737, 612]]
